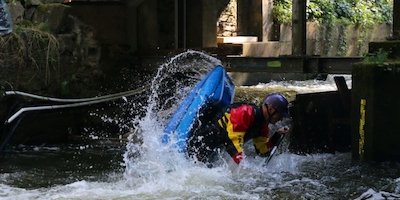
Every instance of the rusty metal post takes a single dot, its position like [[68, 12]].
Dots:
[[299, 27]]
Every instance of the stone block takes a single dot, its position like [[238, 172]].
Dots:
[[17, 11]]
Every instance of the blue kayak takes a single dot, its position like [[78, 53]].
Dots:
[[216, 89]]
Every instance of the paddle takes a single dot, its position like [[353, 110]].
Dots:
[[271, 154]]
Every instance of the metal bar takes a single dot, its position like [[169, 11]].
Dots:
[[72, 105], [291, 64], [344, 92], [34, 96]]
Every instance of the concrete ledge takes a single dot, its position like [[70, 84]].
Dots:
[[255, 78], [267, 49], [237, 39]]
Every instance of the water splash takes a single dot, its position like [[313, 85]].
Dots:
[[149, 159]]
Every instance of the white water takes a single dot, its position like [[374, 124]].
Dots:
[[308, 86], [154, 171]]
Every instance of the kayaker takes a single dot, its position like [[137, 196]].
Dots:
[[235, 125]]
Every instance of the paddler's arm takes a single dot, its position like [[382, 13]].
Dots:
[[264, 144], [236, 123]]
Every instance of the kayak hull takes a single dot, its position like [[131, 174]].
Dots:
[[215, 89]]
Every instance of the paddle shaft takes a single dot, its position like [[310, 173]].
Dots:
[[275, 148]]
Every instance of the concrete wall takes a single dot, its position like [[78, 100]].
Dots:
[[337, 40], [250, 18]]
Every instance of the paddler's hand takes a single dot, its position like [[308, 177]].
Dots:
[[283, 130], [237, 157]]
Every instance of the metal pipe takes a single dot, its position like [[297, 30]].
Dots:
[[72, 105], [34, 96]]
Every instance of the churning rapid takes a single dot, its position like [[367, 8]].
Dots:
[[152, 170]]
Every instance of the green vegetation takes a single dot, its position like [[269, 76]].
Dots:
[[360, 12], [282, 11], [31, 47], [379, 58]]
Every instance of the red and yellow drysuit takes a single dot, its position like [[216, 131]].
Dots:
[[242, 122]]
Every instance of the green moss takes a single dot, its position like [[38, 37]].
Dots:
[[379, 58]]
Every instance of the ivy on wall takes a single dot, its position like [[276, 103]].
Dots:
[[360, 12], [334, 17], [282, 11]]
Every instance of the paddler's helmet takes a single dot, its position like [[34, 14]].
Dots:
[[279, 102]]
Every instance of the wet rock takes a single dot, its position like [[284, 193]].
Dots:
[[29, 12], [53, 15], [66, 42], [30, 3], [17, 11]]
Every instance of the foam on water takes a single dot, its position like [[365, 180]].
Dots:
[[308, 86]]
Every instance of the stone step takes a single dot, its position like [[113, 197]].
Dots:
[[236, 39]]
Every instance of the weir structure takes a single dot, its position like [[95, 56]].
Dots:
[[152, 29]]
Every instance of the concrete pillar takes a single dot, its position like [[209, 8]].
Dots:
[[268, 22], [250, 18], [166, 24], [375, 110], [201, 23], [132, 27], [147, 23], [209, 23], [180, 24], [396, 19], [299, 27], [271, 30], [150, 24]]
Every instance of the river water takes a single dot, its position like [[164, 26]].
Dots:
[[143, 168]]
